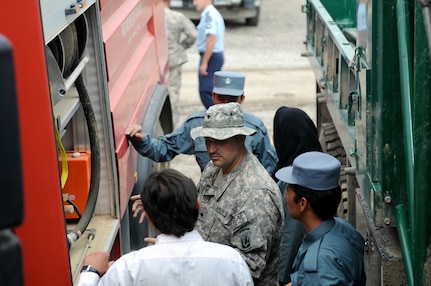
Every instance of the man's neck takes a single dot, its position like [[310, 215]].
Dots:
[[310, 221], [206, 6]]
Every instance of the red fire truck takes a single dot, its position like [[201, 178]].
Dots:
[[73, 75]]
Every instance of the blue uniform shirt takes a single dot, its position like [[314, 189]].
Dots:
[[291, 238], [211, 22], [165, 148], [331, 254]]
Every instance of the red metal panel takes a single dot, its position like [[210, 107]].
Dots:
[[126, 96], [43, 233], [122, 33], [133, 58], [109, 7], [126, 169], [159, 31]]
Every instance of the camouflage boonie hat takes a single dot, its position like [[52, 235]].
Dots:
[[223, 121]]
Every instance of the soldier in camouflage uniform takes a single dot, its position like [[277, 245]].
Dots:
[[182, 35], [241, 205]]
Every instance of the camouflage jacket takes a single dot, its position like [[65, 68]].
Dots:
[[246, 213], [182, 35]]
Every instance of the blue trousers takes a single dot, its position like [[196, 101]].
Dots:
[[206, 83]]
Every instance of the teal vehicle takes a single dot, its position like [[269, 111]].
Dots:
[[371, 60]]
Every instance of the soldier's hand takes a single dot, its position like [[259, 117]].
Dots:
[[138, 207], [134, 132]]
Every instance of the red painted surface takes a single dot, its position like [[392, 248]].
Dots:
[[42, 233], [136, 58]]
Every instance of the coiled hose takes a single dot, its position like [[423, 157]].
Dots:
[[95, 163]]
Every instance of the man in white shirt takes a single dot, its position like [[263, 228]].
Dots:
[[180, 256]]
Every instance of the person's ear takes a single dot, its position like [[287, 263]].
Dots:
[[302, 204], [198, 202], [241, 99]]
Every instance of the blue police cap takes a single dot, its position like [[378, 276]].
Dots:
[[229, 83], [314, 170]]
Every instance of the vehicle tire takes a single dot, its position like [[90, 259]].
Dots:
[[157, 121], [254, 20], [157, 167]]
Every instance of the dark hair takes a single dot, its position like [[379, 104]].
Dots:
[[238, 138], [294, 134], [323, 203], [170, 200], [228, 98]]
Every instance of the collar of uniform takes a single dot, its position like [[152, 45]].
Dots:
[[207, 9], [169, 238], [318, 232]]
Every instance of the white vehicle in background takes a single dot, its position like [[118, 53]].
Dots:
[[230, 9]]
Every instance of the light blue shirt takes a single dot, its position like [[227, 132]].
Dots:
[[339, 259], [211, 22], [184, 261]]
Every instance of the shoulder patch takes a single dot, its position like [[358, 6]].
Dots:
[[245, 236], [208, 21], [248, 238], [239, 220], [208, 18]]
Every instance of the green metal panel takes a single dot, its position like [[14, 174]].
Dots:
[[391, 168], [342, 12], [400, 88], [379, 100], [421, 105]]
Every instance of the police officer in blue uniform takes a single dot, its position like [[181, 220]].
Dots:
[[228, 87], [332, 251], [210, 44]]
